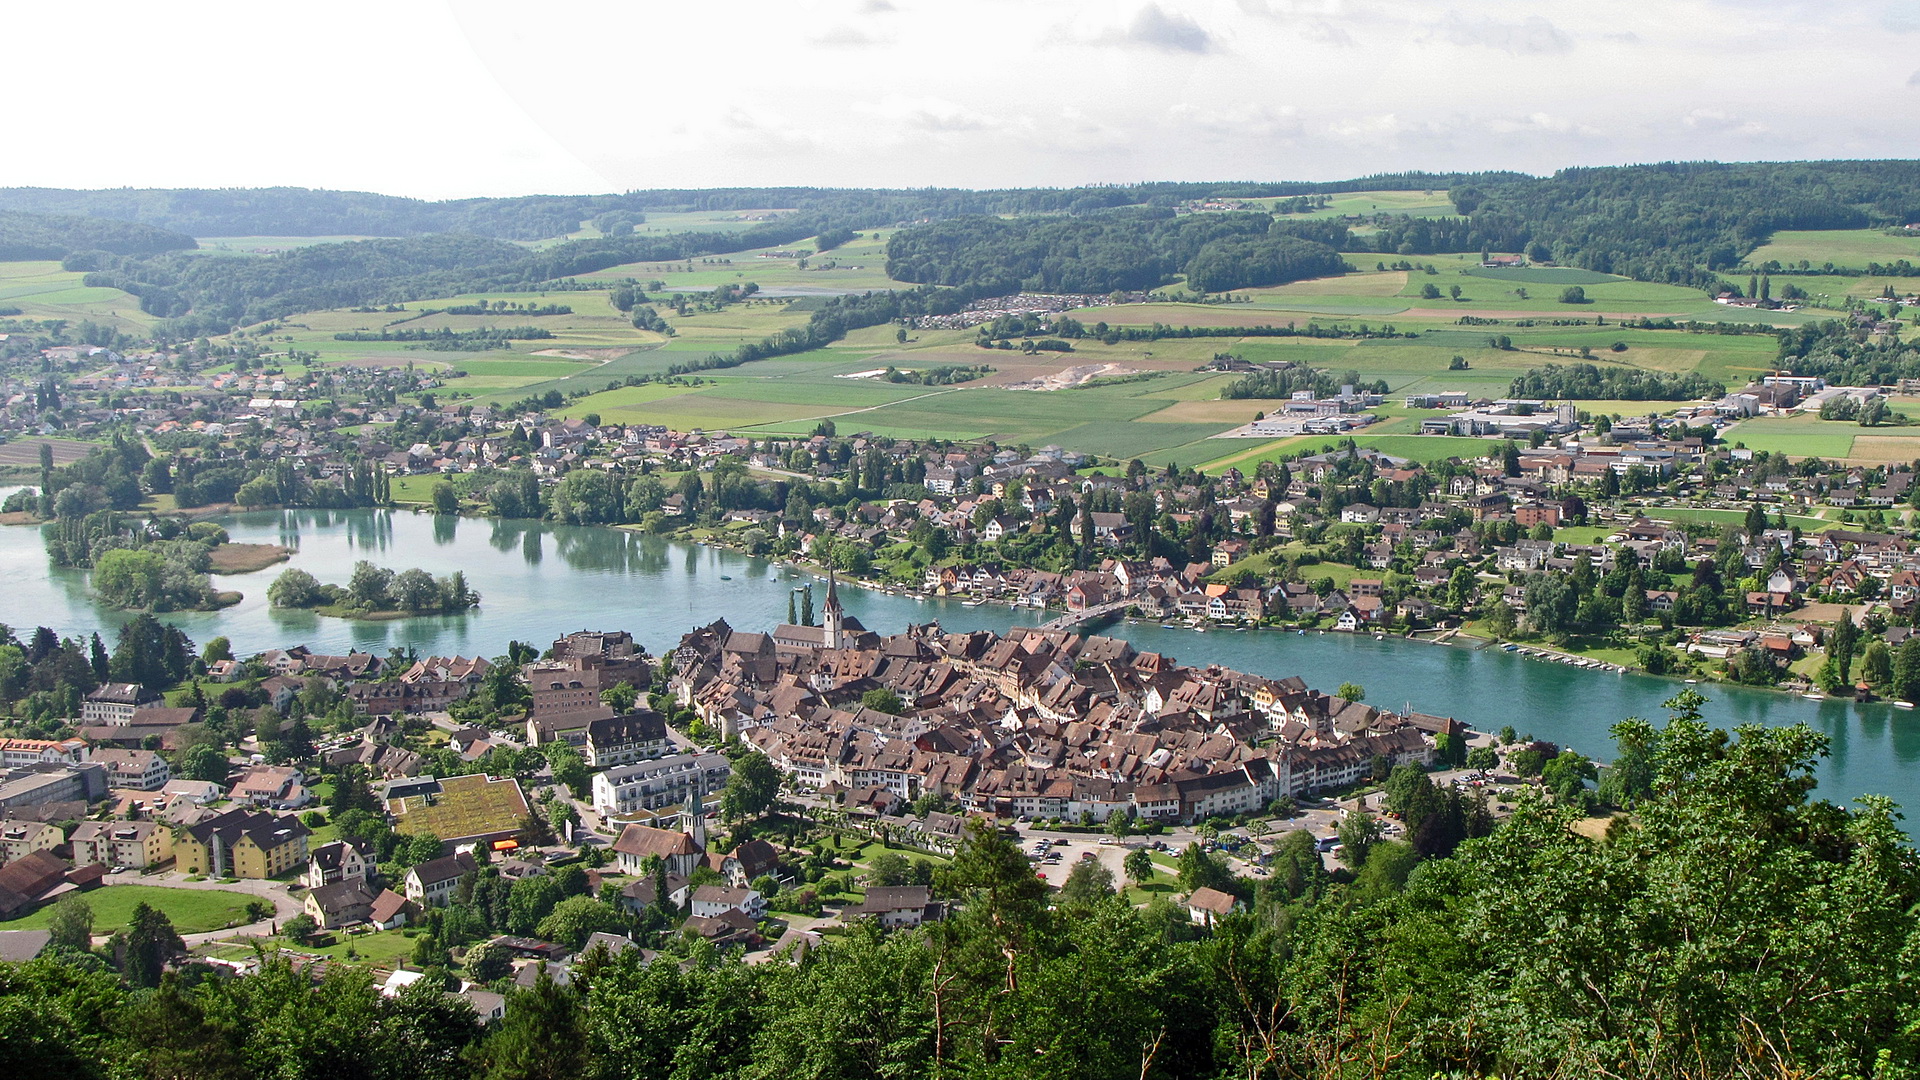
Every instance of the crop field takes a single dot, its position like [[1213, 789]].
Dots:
[[855, 266], [27, 451], [41, 290], [193, 911], [1541, 275], [1368, 203], [1843, 247], [1799, 436], [1730, 517]]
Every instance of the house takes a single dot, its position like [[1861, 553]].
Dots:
[[390, 910], [711, 901], [19, 839], [338, 860], [343, 903], [28, 882], [115, 703], [271, 786], [241, 843], [897, 905], [617, 740], [746, 862], [135, 844], [20, 946], [431, 883], [1207, 905], [139, 770]]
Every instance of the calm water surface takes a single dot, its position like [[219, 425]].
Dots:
[[540, 580]]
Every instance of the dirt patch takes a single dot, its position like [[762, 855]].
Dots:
[[1077, 375], [597, 356], [20, 517], [247, 558], [1206, 412], [1824, 613]]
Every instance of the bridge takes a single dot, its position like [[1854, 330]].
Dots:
[[1074, 618]]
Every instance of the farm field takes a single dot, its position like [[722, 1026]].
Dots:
[[193, 911], [1368, 203], [27, 451], [1803, 435], [1843, 247], [41, 290]]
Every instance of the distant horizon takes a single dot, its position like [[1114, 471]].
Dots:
[[1382, 174], [440, 101]]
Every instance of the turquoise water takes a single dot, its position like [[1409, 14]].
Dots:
[[541, 580]]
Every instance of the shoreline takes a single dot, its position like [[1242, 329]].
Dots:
[[805, 566]]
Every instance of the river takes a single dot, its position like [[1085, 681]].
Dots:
[[540, 580]]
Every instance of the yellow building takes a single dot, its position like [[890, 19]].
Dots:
[[242, 843]]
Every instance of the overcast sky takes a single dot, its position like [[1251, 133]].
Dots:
[[447, 98]]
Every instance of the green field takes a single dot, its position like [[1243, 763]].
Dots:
[[1843, 247], [267, 245], [41, 290], [193, 911], [1424, 448], [1542, 275], [1798, 436], [1729, 517]]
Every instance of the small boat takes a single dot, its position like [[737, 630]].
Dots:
[[1690, 682], [724, 577], [1199, 629], [1169, 626], [1903, 704], [973, 603], [1812, 696]]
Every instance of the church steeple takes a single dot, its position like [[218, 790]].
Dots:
[[693, 820], [834, 620]]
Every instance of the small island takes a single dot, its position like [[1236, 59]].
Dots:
[[158, 565], [374, 592]]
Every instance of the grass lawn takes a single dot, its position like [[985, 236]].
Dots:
[[1728, 517], [193, 911], [385, 948]]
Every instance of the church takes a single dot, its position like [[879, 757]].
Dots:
[[837, 629]]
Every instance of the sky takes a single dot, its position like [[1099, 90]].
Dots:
[[455, 98]]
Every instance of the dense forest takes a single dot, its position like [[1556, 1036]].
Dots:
[[1733, 926], [55, 236], [1615, 383], [1129, 250], [1672, 222]]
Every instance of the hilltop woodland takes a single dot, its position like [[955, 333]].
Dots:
[[1674, 223], [1730, 926]]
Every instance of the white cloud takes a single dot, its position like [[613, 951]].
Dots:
[[934, 115], [1155, 29], [1531, 35]]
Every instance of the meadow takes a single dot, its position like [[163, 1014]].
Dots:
[[41, 290], [1843, 247], [193, 911]]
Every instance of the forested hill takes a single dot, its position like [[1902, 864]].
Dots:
[[1671, 221], [307, 212], [53, 236], [1119, 249]]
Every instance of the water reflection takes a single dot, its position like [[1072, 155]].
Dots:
[[613, 579]]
